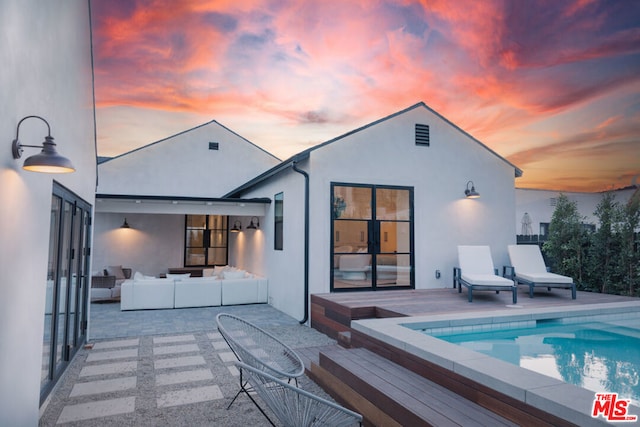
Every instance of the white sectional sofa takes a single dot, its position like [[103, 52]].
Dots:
[[147, 294], [198, 292], [245, 291], [180, 291]]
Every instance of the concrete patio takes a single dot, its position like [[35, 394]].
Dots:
[[166, 368]]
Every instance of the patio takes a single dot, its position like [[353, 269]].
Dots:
[[166, 367], [172, 367]]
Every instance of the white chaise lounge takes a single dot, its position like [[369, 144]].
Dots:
[[528, 268], [476, 272]]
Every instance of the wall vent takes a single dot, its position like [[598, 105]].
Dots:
[[422, 134], [214, 146]]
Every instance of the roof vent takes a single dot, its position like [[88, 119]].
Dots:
[[214, 146], [422, 134]]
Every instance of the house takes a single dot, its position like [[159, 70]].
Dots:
[[47, 72], [163, 187], [534, 209], [373, 209]]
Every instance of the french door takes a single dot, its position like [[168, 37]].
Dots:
[[371, 237], [65, 316]]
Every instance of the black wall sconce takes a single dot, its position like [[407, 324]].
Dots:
[[471, 193], [253, 225], [125, 224], [48, 161], [237, 226]]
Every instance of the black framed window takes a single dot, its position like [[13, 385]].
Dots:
[[278, 221], [205, 242]]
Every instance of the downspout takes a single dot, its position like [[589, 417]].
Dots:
[[306, 241]]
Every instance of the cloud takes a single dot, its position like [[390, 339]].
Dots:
[[500, 69]]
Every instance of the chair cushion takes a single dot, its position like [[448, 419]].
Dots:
[[486, 280], [115, 270], [475, 260], [544, 277], [526, 259]]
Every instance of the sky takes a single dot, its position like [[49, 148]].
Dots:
[[552, 86]]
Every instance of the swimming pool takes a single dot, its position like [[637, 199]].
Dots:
[[600, 353], [551, 395]]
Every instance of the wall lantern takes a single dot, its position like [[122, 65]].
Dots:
[[48, 160], [237, 226], [253, 225], [125, 224], [471, 193]]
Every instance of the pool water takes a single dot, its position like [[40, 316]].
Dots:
[[602, 356]]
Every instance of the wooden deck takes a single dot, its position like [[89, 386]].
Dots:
[[333, 313], [378, 398]]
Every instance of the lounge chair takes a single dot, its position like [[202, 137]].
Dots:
[[528, 268], [476, 272], [295, 407], [259, 349]]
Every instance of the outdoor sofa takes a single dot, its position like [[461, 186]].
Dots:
[[231, 287]]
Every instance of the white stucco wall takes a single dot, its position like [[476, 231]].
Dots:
[[385, 154], [254, 251], [537, 203], [46, 71], [154, 242], [183, 165]]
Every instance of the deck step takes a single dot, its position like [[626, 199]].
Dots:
[[382, 390]]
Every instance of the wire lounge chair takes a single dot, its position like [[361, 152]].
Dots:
[[295, 407], [260, 350], [476, 272], [528, 268]]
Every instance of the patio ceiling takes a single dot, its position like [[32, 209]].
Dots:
[[110, 203]]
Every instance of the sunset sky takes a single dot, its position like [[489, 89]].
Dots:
[[553, 86]]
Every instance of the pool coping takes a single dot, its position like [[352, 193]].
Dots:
[[550, 395]]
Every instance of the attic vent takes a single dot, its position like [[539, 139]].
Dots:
[[422, 134], [213, 146], [553, 201]]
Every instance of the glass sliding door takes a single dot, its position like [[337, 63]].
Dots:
[[372, 237], [65, 321]]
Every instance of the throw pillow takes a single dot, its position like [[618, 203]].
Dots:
[[178, 276], [115, 270], [237, 274]]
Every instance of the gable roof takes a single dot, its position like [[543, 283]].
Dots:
[[306, 153], [108, 159]]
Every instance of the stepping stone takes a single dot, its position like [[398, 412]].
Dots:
[[227, 356], [97, 409], [103, 386], [176, 362], [109, 368], [115, 344], [220, 345], [183, 377], [191, 395], [185, 348], [214, 336], [175, 338], [108, 355]]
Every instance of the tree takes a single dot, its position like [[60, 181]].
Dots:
[[629, 254], [605, 245], [567, 240]]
